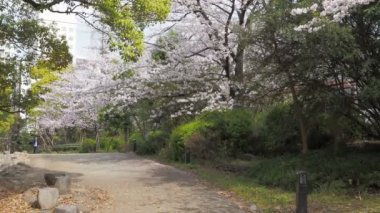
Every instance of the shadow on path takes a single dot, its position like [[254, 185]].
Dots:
[[89, 158]]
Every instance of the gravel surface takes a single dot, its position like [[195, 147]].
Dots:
[[136, 184]]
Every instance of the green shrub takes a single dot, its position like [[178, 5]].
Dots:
[[277, 130], [180, 134], [166, 153], [111, 143], [238, 131], [226, 133], [135, 137], [326, 171], [154, 142], [88, 145], [157, 139], [24, 143], [200, 147]]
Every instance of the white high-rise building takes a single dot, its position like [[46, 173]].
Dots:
[[84, 42]]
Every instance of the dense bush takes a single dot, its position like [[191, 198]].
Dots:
[[234, 128], [111, 143], [88, 145], [277, 130], [223, 133], [200, 147], [271, 132], [326, 171], [25, 141], [152, 144], [180, 134], [278, 133], [157, 139]]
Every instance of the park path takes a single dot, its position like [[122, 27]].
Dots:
[[138, 185]]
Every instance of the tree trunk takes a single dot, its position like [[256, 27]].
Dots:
[[15, 133], [239, 60], [97, 139], [238, 77], [301, 120], [126, 134], [80, 136]]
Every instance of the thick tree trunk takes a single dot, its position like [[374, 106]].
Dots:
[[238, 77], [239, 60]]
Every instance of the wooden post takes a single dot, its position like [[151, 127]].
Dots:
[[301, 196]]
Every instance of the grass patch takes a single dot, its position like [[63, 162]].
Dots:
[[349, 173], [270, 183], [266, 198]]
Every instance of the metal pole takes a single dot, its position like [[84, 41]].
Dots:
[[301, 196]]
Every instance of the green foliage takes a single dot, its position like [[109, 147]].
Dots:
[[126, 20], [6, 121], [348, 49], [180, 134], [233, 128], [114, 119], [111, 143], [122, 22], [271, 199], [88, 145], [153, 144], [24, 143], [272, 132], [200, 147], [326, 171], [277, 130], [226, 133], [158, 139], [39, 53]]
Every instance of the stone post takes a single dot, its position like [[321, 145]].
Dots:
[[301, 196]]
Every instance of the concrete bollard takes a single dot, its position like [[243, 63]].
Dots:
[[301, 190]]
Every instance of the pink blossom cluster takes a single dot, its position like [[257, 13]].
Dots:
[[336, 9], [300, 11], [341, 8]]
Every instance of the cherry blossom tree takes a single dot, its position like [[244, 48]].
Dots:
[[78, 96], [209, 41]]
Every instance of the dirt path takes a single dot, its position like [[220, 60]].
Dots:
[[138, 185]]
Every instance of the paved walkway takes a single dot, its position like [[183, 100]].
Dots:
[[138, 185]]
